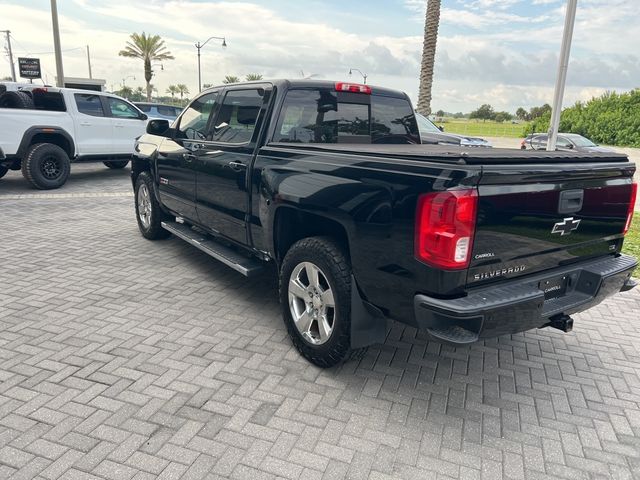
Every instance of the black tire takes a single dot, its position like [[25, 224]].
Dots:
[[16, 100], [3, 171], [334, 265], [116, 164], [46, 166], [153, 230]]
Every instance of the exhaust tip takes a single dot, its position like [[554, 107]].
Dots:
[[561, 322]]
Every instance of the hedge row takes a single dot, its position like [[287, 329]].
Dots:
[[612, 119]]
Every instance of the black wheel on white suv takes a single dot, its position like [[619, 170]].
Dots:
[[315, 295], [148, 212], [46, 166], [116, 164]]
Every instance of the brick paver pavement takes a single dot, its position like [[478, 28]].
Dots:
[[122, 358]]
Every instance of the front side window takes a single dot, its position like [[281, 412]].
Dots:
[[120, 109], [89, 104], [238, 116], [325, 116], [193, 122]]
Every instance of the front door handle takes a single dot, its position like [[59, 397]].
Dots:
[[237, 166], [188, 157]]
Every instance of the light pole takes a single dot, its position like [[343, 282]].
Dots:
[[199, 46], [125, 79], [13, 67], [56, 43], [364, 75], [561, 80]]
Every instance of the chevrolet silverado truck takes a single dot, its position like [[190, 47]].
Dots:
[[329, 183], [44, 129]]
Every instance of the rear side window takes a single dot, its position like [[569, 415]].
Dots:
[[325, 116], [169, 111], [51, 101], [146, 108], [89, 104]]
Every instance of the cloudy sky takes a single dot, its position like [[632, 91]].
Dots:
[[502, 52]]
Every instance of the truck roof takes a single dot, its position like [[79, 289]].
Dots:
[[313, 83]]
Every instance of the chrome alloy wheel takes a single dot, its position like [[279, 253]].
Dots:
[[311, 303], [144, 205]]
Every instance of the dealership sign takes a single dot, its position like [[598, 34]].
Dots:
[[29, 67]]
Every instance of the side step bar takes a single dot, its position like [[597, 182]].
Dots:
[[240, 263]]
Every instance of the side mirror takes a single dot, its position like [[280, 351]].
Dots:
[[441, 128], [144, 116], [157, 127], [570, 145]]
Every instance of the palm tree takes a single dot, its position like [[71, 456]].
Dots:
[[253, 77], [172, 90], [182, 90], [149, 48], [231, 79], [207, 85], [125, 91], [431, 23]]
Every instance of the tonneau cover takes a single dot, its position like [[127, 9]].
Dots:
[[455, 154]]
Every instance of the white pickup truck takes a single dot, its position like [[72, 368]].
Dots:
[[44, 129]]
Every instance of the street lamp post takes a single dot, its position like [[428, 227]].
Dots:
[[199, 46], [364, 75]]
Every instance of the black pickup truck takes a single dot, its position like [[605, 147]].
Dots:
[[329, 182]]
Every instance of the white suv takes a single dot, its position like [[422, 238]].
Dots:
[[44, 129]]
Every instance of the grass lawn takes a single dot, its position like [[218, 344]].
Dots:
[[632, 240], [483, 129]]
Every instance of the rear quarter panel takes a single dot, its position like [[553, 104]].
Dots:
[[374, 199], [15, 122]]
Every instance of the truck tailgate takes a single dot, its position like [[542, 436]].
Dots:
[[537, 217]]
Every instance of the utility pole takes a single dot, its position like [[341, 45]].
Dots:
[[561, 79], [89, 61], [56, 44], [13, 67]]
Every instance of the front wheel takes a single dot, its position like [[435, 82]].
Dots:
[[116, 164], [46, 166], [148, 212], [315, 294]]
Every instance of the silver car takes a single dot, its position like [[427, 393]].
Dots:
[[566, 141]]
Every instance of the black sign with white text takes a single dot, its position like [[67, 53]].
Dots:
[[29, 67]]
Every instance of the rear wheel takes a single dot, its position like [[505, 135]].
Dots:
[[315, 294], [116, 164], [46, 166], [148, 212]]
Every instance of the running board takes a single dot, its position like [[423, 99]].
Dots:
[[240, 263]]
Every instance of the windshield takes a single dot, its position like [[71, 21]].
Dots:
[[425, 125], [580, 141]]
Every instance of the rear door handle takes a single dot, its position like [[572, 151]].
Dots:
[[188, 157], [235, 165], [85, 124]]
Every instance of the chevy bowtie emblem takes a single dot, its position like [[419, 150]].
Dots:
[[566, 226]]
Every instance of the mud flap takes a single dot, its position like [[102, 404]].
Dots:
[[368, 324]]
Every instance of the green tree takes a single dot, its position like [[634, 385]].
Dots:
[[125, 92], [251, 77], [138, 94], [536, 112], [502, 117], [484, 112], [431, 24], [149, 48], [522, 114], [172, 90], [207, 85], [440, 113], [182, 90], [231, 79]]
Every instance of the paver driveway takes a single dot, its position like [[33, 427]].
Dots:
[[123, 358]]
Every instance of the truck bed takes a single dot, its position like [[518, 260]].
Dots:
[[458, 155]]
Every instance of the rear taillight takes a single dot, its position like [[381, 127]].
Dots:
[[445, 224], [353, 88], [632, 205]]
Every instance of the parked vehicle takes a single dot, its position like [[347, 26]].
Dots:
[[45, 129], [328, 182], [431, 133], [566, 141], [159, 110]]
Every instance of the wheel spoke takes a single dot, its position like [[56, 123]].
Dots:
[[327, 298], [312, 274], [323, 328], [297, 289], [304, 322]]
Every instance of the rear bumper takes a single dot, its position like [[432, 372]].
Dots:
[[520, 305]]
